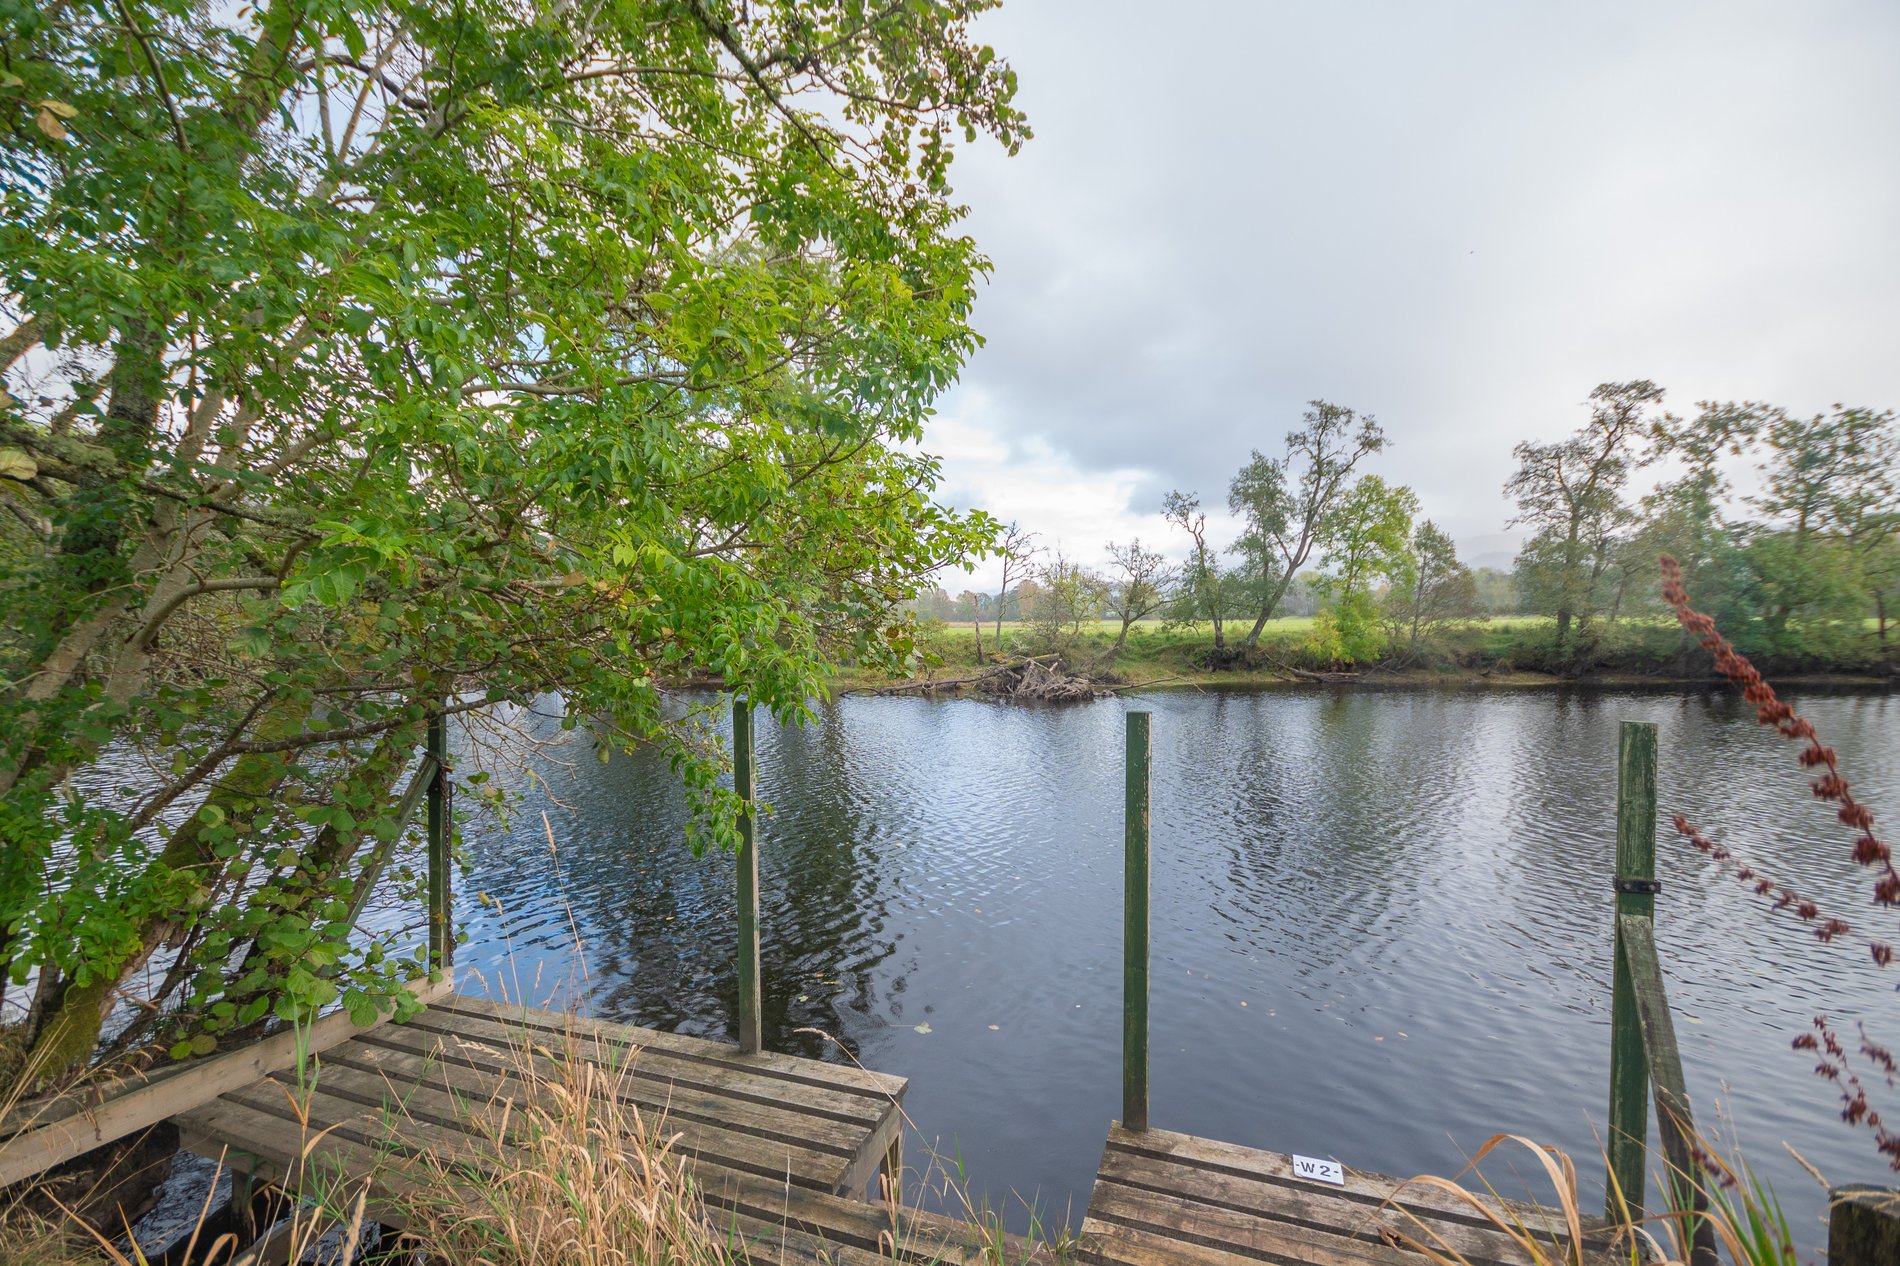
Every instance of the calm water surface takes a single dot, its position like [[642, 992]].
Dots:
[[1381, 919]]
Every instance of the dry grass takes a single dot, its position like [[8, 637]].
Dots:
[[1749, 1226], [31, 1239], [566, 1172], [48, 1221], [27, 1239], [986, 1239]]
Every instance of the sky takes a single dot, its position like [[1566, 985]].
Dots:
[[1458, 217]]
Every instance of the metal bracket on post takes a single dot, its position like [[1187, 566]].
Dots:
[[1639, 887]]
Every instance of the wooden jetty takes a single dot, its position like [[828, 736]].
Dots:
[[784, 1150], [435, 1082], [1164, 1197]]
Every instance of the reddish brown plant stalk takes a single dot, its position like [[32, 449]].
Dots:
[[1832, 1065], [1869, 850], [1785, 898]]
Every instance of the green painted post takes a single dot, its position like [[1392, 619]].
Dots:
[[1635, 895], [1135, 927], [744, 773], [441, 824]]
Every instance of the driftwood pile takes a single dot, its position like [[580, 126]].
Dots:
[[1035, 678]]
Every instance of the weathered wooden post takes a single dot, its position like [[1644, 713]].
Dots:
[[1135, 926], [1635, 895], [751, 1039], [441, 827], [1863, 1226]]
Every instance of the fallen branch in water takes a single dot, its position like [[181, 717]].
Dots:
[[1303, 674], [1038, 678]]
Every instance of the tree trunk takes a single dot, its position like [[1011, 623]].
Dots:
[[1266, 611], [977, 625], [1616, 603], [69, 1027], [321, 862]]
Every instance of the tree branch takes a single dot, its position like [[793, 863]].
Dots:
[[23, 337], [149, 630]]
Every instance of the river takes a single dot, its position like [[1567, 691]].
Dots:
[[1381, 926]]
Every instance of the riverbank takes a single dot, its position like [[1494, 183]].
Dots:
[[1510, 652]]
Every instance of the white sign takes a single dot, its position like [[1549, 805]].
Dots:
[[1319, 1170]]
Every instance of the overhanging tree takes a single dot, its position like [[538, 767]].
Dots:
[[367, 363]]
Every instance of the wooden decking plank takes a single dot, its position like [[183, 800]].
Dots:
[[717, 1076], [467, 1108], [919, 1234], [429, 1062], [311, 1111], [806, 1084], [277, 1149], [767, 1245], [790, 1067], [1361, 1186], [788, 1225], [1307, 1205], [1272, 1239], [1110, 1244]]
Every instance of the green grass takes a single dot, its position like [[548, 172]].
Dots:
[[1515, 649]]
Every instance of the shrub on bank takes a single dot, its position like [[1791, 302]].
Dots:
[[1634, 646]]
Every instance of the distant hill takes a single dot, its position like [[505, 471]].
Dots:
[[1493, 549]]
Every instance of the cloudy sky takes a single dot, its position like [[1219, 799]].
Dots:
[[1458, 217]]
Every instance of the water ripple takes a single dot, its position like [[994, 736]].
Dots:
[[1380, 920]]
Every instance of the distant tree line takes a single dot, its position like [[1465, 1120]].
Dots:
[[1798, 569], [1804, 567], [1381, 581]]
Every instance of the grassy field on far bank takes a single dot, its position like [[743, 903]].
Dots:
[[1518, 649]]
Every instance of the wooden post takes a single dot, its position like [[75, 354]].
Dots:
[[1135, 927], [890, 1171], [1635, 895], [1687, 1185], [744, 772], [1863, 1226], [441, 826]]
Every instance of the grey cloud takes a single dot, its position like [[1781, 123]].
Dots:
[[1460, 217]]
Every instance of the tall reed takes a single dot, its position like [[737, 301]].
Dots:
[[1750, 1227]]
